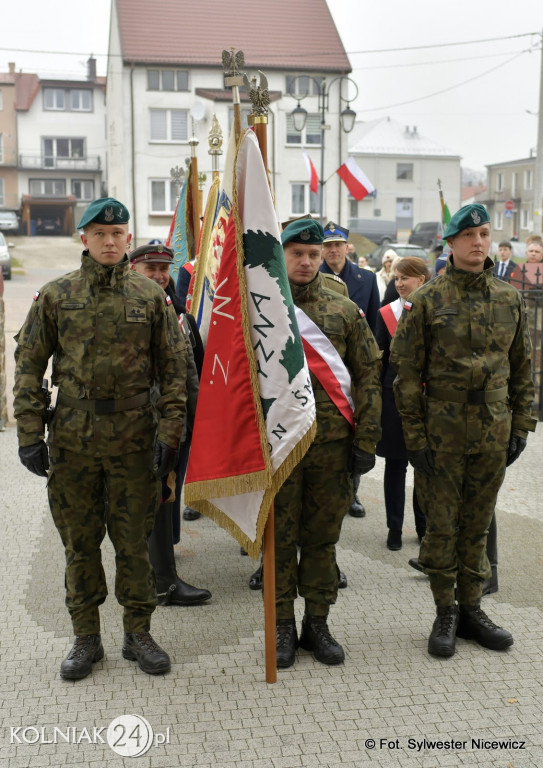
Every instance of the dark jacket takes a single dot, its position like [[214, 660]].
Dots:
[[510, 268], [362, 287]]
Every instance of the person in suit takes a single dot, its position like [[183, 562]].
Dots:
[[363, 290], [504, 266]]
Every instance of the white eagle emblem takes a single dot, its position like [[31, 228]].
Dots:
[[305, 234], [108, 214], [476, 218]]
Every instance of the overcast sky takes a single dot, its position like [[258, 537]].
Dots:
[[485, 120]]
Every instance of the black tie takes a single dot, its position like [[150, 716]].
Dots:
[[502, 269]]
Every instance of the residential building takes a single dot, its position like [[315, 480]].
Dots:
[[509, 197], [53, 146], [405, 168], [159, 96]]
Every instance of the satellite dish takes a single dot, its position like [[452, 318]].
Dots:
[[198, 111]]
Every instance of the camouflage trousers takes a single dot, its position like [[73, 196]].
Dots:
[[458, 502], [87, 496], [309, 510]]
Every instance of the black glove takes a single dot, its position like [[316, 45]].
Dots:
[[516, 446], [362, 462], [422, 461], [164, 460], [35, 458]]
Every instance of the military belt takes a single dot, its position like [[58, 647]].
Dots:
[[470, 396], [103, 407]]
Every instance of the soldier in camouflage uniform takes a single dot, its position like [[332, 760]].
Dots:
[[311, 504], [464, 391], [111, 332]]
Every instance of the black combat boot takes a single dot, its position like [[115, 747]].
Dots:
[[394, 540], [342, 583], [414, 563], [140, 647], [286, 639], [86, 650], [442, 638], [171, 590], [191, 514], [357, 508], [316, 637], [474, 624], [255, 582]]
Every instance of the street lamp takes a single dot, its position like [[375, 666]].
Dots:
[[347, 118]]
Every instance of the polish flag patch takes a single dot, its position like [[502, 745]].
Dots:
[[407, 306], [36, 295], [168, 300], [361, 313]]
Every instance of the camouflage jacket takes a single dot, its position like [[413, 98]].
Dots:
[[345, 326], [111, 332], [463, 332]]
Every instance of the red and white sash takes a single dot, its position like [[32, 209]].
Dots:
[[391, 314], [325, 363]]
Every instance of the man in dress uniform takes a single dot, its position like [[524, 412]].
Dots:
[[464, 391], [311, 504], [111, 333], [363, 290]]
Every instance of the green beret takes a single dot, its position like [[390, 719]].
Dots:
[[306, 231], [105, 210], [472, 215]]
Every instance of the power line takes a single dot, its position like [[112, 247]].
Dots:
[[446, 90], [437, 61]]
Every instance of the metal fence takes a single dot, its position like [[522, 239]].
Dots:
[[528, 278]]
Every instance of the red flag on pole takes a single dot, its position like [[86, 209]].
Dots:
[[312, 171], [355, 179]]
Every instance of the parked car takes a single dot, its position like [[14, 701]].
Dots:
[[49, 226], [9, 222], [427, 234], [377, 230], [402, 249], [5, 258]]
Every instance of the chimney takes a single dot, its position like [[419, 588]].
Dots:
[[91, 68], [11, 66]]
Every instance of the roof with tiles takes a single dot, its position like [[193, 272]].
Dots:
[[282, 35], [388, 137]]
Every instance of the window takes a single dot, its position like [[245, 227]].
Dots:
[[1, 99], [81, 100], [498, 220], [499, 182], [311, 133], [353, 208], [245, 112], [163, 195], [302, 200], [1, 148], [169, 125], [68, 99], [60, 152], [404, 207], [167, 80], [528, 179], [83, 189], [514, 182], [303, 85], [524, 219], [53, 98], [2, 192], [404, 171], [47, 187]]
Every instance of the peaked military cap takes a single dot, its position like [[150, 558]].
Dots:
[[472, 215], [333, 233], [105, 210], [306, 231], [151, 252]]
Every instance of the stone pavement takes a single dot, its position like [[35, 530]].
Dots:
[[215, 709]]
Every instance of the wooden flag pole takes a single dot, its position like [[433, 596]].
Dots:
[[258, 119], [195, 191]]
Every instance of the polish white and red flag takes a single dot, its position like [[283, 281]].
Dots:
[[312, 172], [355, 179]]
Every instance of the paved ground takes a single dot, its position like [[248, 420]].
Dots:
[[215, 709]]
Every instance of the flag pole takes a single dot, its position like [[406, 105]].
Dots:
[[258, 120], [232, 60], [194, 189]]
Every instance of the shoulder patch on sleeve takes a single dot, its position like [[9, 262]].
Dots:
[[36, 295], [408, 306], [168, 300], [361, 312]]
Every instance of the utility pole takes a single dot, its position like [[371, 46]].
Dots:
[[538, 180]]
